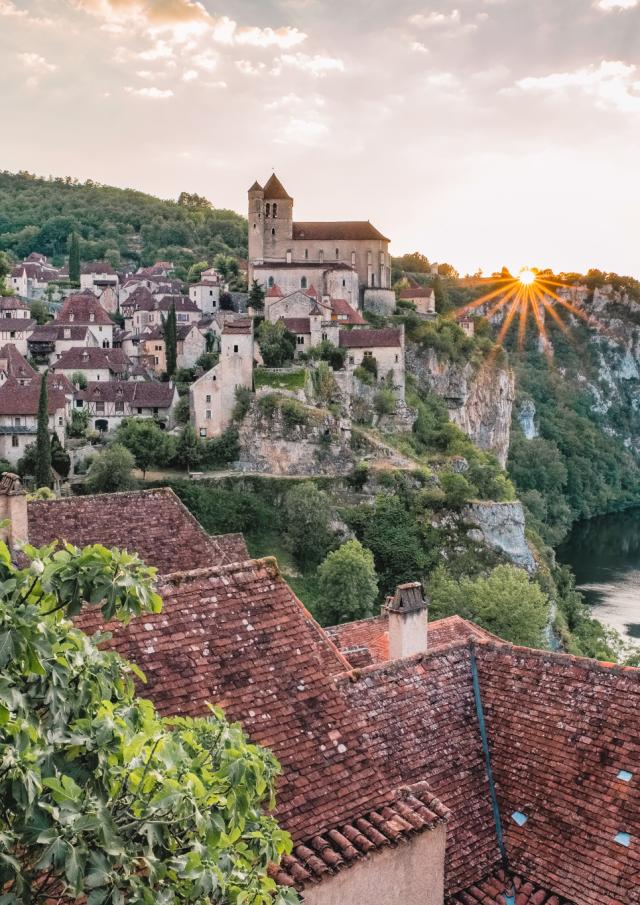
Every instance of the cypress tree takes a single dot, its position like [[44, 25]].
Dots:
[[74, 259], [171, 340], [43, 441]]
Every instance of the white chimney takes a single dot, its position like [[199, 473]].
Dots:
[[407, 612]]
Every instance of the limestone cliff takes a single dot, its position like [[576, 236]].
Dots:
[[501, 527], [479, 400]]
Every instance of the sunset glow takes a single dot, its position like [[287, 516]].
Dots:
[[527, 277]]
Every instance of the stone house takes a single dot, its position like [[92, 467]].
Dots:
[[213, 396], [17, 331], [98, 276], [84, 309], [13, 307], [422, 297], [109, 402], [96, 363], [191, 344], [143, 310], [31, 278], [205, 295], [386, 346], [19, 412], [276, 239], [49, 341], [14, 365]]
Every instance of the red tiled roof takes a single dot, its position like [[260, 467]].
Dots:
[[12, 303], [79, 357], [52, 331], [18, 399], [493, 891], [274, 190], [14, 364], [80, 308], [339, 230], [152, 523], [367, 641], [297, 324], [409, 811], [145, 394], [274, 292], [240, 325], [371, 339], [312, 292], [422, 292], [16, 324], [344, 312], [97, 267], [181, 302]]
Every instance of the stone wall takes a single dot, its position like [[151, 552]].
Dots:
[[480, 401]]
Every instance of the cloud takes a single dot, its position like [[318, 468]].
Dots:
[[8, 8], [317, 65], [189, 75], [612, 84], [435, 20], [156, 13], [302, 131], [616, 5], [284, 37], [37, 63], [418, 47], [153, 93]]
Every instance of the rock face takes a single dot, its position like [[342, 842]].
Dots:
[[526, 419], [501, 527], [480, 401]]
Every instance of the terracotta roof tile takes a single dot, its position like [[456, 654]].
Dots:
[[152, 523], [18, 399], [142, 393], [297, 324], [83, 308], [417, 292], [371, 339], [80, 357], [14, 364], [344, 312], [493, 890], [339, 230], [274, 190]]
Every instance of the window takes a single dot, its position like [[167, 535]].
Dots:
[[369, 257], [382, 257], [203, 432], [99, 408], [353, 259], [289, 256], [267, 211], [15, 441], [337, 254], [211, 292], [273, 232], [16, 422], [397, 359], [344, 282], [275, 210], [321, 256], [373, 279], [351, 360], [303, 283], [325, 336], [271, 282], [208, 415], [306, 254], [155, 410], [207, 399], [12, 334], [156, 360], [60, 421], [78, 403], [235, 348], [119, 407], [300, 340], [367, 354], [67, 333]]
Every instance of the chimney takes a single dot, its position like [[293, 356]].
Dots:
[[13, 506], [407, 611]]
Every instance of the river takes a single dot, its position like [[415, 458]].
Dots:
[[604, 553]]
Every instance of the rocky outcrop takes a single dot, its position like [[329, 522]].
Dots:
[[501, 527], [479, 400], [526, 419]]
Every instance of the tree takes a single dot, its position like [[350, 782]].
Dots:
[[182, 410], [225, 301], [256, 296], [145, 440], [60, 458], [42, 470], [111, 470], [223, 264], [307, 516], [506, 603], [195, 271], [348, 584], [102, 799], [40, 312], [277, 345], [189, 451], [171, 340], [5, 270], [79, 380], [74, 259]]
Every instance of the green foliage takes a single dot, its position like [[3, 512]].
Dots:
[[256, 296], [222, 450], [5, 466], [294, 414], [458, 490], [225, 302], [148, 443], [102, 798], [74, 259], [277, 345], [290, 380], [111, 470], [415, 262], [79, 423], [347, 584], [60, 459], [385, 402], [79, 380], [207, 360], [446, 338], [40, 312], [242, 404], [171, 340], [189, 449], [223, 510], [364, 376], [42, 469], [324, 383], [181, 412], [193, 274], [370, 365], [39, 215], [358, 477], [307, 516], [506, 602], [333, 355]]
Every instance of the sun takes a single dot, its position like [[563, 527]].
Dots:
[[527, 277]]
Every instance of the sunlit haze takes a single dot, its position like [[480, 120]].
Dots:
[[480, 132]]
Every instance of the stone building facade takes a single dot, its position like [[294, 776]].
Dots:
[[335, 255]]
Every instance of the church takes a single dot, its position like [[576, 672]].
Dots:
[[347, 259]]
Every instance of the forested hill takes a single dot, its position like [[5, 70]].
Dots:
[[122, 225]]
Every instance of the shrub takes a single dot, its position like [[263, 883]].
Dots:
[[189, 449], [79, 380], [293, 413], [222, 450], [457, 489], [385, 402], [347, 583], [182, 411], [370, 364], [359, 476], [307, 516], [277, 345], [241, 407], [111, 470]]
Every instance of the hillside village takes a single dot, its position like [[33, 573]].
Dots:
[[425, 760]]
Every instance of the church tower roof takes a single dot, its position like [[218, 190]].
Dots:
[[274, 189], [256, 187]]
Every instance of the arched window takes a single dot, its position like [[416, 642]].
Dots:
[[267, 211], [275, 210], [303, 283], [271, 282], [337, 254], [273, 232]]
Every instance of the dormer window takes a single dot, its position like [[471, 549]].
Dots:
[[92, 317]]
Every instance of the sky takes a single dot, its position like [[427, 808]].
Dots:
[[478, 132]]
